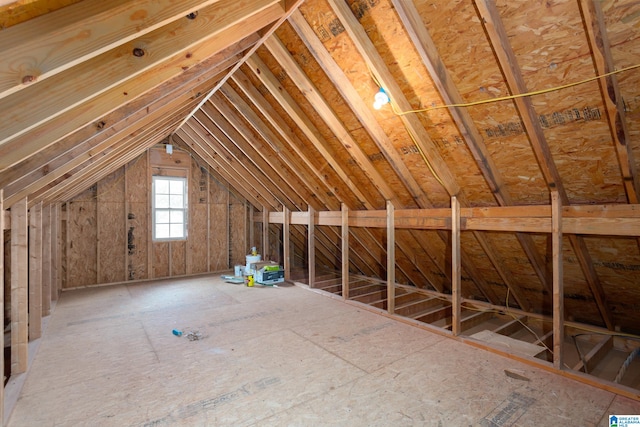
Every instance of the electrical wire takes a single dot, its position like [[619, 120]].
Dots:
[[520, 95]]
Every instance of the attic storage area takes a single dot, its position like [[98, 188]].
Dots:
[[490, 196]]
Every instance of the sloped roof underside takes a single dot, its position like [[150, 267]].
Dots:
[[277, 97]]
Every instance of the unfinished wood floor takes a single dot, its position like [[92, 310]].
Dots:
[[275, 356]]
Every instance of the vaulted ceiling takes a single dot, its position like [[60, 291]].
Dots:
[[495, 102]]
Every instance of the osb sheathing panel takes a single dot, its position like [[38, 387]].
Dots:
[[616, 263], [138, 217], [178, 258], [330, 31], [238, 232], [387, 34], [552, 50], [160, 260], [462, 45], [82, 240], [198, 220], [112, 232], [519, 269], [326, 88], [218, 226]]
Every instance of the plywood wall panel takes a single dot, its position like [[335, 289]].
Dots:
[[81, 258], [161, 259], [219, 227], [111, 228], [138, 218], [178, 258], [238, 232], [198, 220]]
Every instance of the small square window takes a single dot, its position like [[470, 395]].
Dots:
[[169, 208]]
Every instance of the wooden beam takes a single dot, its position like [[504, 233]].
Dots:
[[291, 142], [384, 76], [254, 144], [311, 241], [56, 241], [19, 287], [77, 33], [192, 140], [304, 123], [47, 260], [265, 233], [247, 147], [345, 251], [328, 115], [289, 7], [595, 355], [286, 236], [494, 27], [49, 164], [456, 267], [358, 107], [596, 31], [35, 272], [122, 79], [558, 284], [391, 259]]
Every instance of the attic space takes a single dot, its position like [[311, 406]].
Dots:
[[465, 170]]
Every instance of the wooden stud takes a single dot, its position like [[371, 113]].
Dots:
[[391, 259], [47, 260], [558, 285], [35, 272], [456, 291], [19, 286], [56, 253], [596, 31], [286, 250], [311, 237], [595, 355], [265, 234], [345, 251]]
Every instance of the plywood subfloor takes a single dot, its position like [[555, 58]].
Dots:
[[275, 356]]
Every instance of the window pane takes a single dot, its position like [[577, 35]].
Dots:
[[162, 231], [176, 202], [162, 217], [162, 186], [176, 186], [177, 217], [177, 230], [162, 201]]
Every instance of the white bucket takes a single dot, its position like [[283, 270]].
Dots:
[[253, 258]]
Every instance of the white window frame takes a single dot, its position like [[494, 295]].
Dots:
[[183, 208]]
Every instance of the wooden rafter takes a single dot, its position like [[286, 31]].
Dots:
[[124, 117], [411, 122], [515, 81], [243, 158], [79, 32], [119, 75], [610, 90]]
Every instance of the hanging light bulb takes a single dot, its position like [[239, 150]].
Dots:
[[380, 99]]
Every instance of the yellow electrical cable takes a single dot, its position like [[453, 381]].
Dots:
[[520, 95]]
